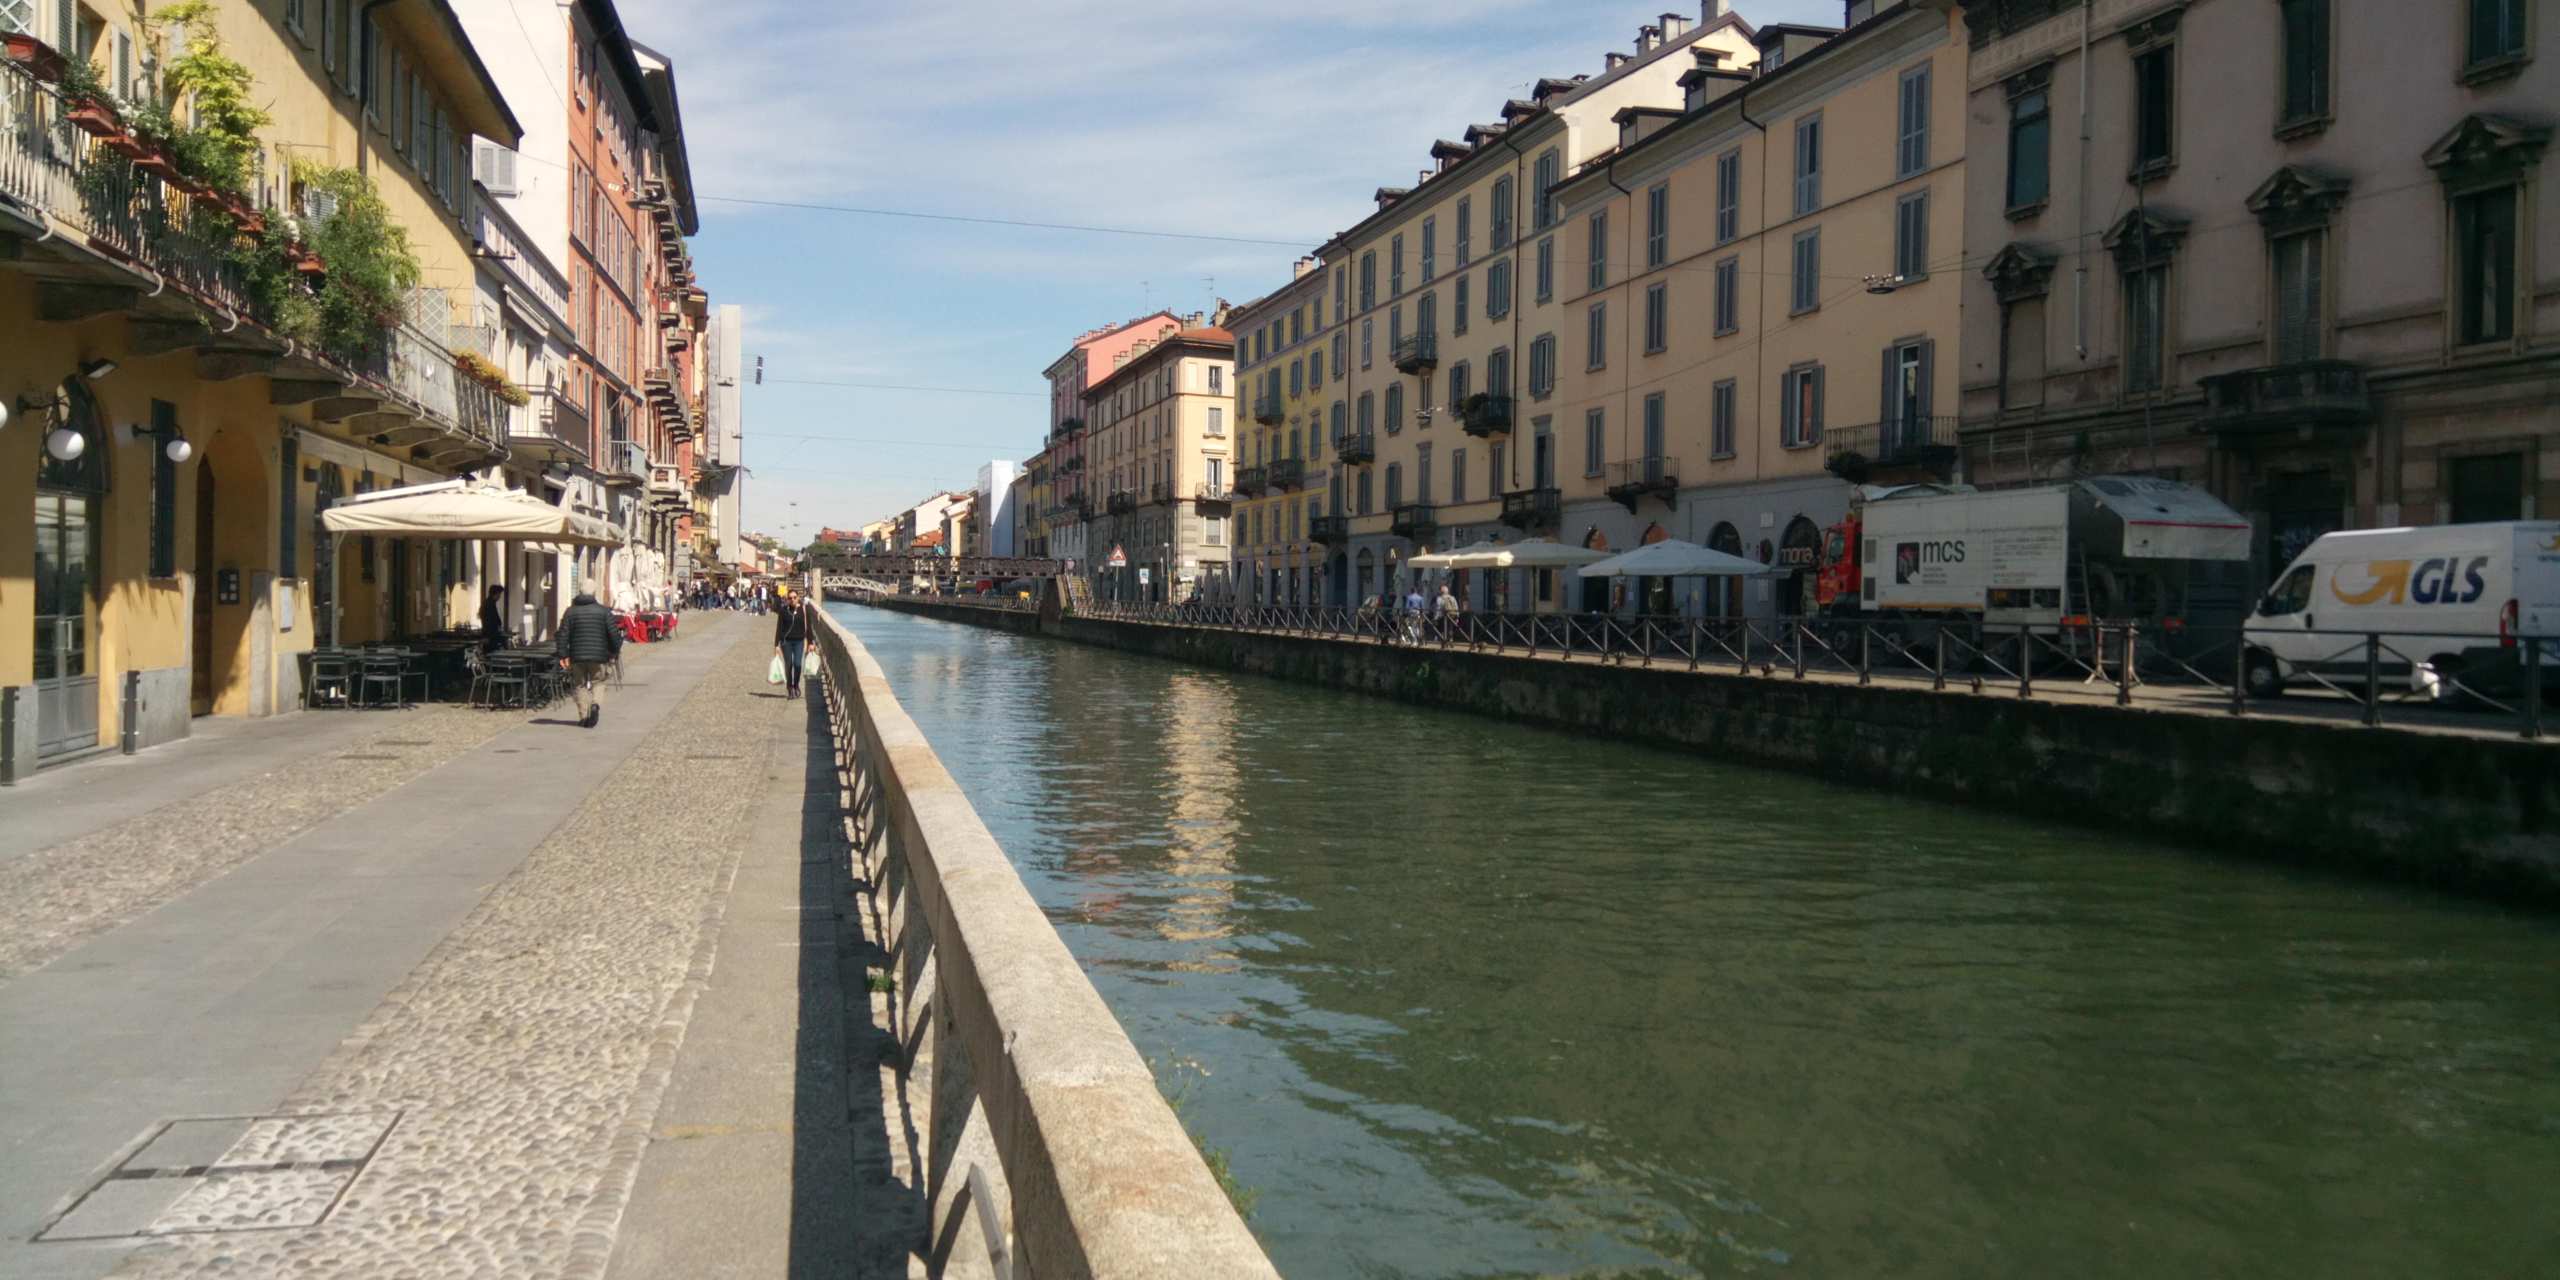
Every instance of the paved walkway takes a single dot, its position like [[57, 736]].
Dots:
[[403, 994]]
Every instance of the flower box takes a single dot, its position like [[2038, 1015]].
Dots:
[[160, 166], [96, 119], [35, 55]]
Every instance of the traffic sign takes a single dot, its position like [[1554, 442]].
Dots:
[[1119, 559]]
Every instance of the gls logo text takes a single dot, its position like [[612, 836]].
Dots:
[[2432, 581]]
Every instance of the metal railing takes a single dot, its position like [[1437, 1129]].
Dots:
[[1533, 508], [626, 461], [1053, 1150], [552, 415], [1268, 409], [1485, 414], [1413, 520], [1416, 352], [1286, 473], [2366, 677], [1251, 481], [1902, 442], [1635, 477], [1353, 448]]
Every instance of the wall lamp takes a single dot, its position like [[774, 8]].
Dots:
[[173, 442]]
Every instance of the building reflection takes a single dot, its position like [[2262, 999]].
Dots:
[[1201, 824]]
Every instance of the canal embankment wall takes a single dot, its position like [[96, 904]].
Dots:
[[1047, 1148], [2464, 811]]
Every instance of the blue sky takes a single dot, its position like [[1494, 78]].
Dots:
[[1255, 122]]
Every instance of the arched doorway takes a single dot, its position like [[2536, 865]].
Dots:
[[1727, 539], [70, 510], [1799, 553], [328, 486]]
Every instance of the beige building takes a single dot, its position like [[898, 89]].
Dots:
[[1756, 305], [1159, 433], [2306, 258], [1283, 376], [1441, 293]]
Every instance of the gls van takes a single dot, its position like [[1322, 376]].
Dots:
[[2447, 601]]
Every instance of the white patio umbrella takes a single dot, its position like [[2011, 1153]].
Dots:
[[457, 510], [1529, 553], [1673, 558]]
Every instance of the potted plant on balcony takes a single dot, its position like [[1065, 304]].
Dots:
[[478, 368], [1849, 465], [89, 104], [221, 149], [37, 57]]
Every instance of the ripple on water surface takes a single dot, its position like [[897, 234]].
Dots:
[[1462, 998]]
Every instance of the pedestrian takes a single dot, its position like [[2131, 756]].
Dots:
[[790, 637], [1413, 614], [1447, 604], [588, 641], [493, 619]]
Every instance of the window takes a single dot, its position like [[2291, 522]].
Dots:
[[1546, 268], [1720, 407], [1458, 375], [1911, 148], [1395, 265], [1368, 335], [1341, 294], [1594, 433], [2486, 487], [2484, 232], [1728, 295], [1430, 248], [1596, 326], [1368, 412], [1905, 398], [2305, 69], [1911, 236], [1808, 164], [1458, 307], [1654, 413], [1542, 366], [2153, 110], [1599, 250], [1315, 369], [1657, 225], [1395, 330], [2290, 596], [1365, 507], [1800, 406], [1503, 200], [420, 127], [1457, 475], [1466, 227], [2030, 148], [2022, 353], [1217, 420], [1214, 531], [1341, 353], [1657, 317], [2297, 281], [1497, 290], [1395, 408], [1297, 325], [1806, 280], [1395, 484], [1426, 315], [1340, 419], [2145, 299], [1550, 171], [2496, 31], [1297, 377], [1217, 380], [1422, 474], [1368, 279], [1497, 373], [1728, 196]]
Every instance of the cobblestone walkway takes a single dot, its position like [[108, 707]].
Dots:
[[520, 1066]]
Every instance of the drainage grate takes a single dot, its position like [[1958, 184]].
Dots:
[[227, 1173]]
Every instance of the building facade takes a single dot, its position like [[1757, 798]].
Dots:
[[2329, 304], [1093, 355], [174, 425], [1283, 462], [1159, 436]]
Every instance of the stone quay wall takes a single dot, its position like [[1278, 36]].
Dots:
[[2476, 813]]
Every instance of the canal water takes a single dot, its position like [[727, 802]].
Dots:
[[1461, 998]]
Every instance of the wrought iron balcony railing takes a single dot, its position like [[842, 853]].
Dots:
[[1122, 503], [1903, 444], [1654, 475], [1414, 520], [1416, 352], [1287, 473], [1485, 413], [1160, 493], [1356, 448], [626, 463], [2312, 393], [1214, 493], [553, 421], [1332, 531], [1251, 481], [1268, 410], [1527, 509]]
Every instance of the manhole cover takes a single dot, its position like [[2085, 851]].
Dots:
[[227, 1173]]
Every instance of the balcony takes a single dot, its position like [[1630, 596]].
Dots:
[[1268, 410], [1905, 449], [1652, 476], [1250, 481], [1121, 503], [551, 425], [1356, 449], [1414, 520], [1485, 414], [1531, 509], [626, 464], [1214, 493], [1332, 531], [1416, 353], [1066, 428], [1287, 473], [666, 488], [1160, 494], [2314, 396]]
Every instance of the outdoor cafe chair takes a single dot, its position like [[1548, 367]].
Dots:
[[380, 673], [330, 670]]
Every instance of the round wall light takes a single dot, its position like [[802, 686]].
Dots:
[[65, 444], [178, 449]]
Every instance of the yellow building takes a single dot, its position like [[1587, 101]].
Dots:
[[1031, 510], [1439, 296], [1755, 305], [1283, 450], [184, 397], [1160, 444]]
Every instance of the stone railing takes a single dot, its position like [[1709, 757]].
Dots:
[[1048, 1150]]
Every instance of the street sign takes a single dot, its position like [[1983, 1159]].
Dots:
[[1142, 575], [1119, 559]]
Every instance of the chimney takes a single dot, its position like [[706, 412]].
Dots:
[[1194, 320], [1612, 60], [1674, 26], [1647, 38], [1715, 9], [1299, 269]]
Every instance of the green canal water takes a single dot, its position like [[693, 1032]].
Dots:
[[1461, 998]]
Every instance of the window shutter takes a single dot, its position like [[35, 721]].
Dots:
[[1887, 397], [164, 492], [1928, 396], [1813, 429]]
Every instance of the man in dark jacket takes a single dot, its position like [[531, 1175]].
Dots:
[[790, 638], [589, 639]]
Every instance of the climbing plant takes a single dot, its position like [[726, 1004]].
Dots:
[[370, 266], [222, 146]]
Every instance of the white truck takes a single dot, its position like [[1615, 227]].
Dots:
[[2107, 548], [2448, 608]]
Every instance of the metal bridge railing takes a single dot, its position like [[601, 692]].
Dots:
[[1047, 1148]]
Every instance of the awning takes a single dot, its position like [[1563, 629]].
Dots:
[[483, 514], [1673, 558], [1529, 553]]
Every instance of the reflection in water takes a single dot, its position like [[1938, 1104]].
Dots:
[[1476, 1000]]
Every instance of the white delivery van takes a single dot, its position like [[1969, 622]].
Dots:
[[2445, 601]]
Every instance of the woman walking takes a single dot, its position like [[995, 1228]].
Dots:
[[790, 637]]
